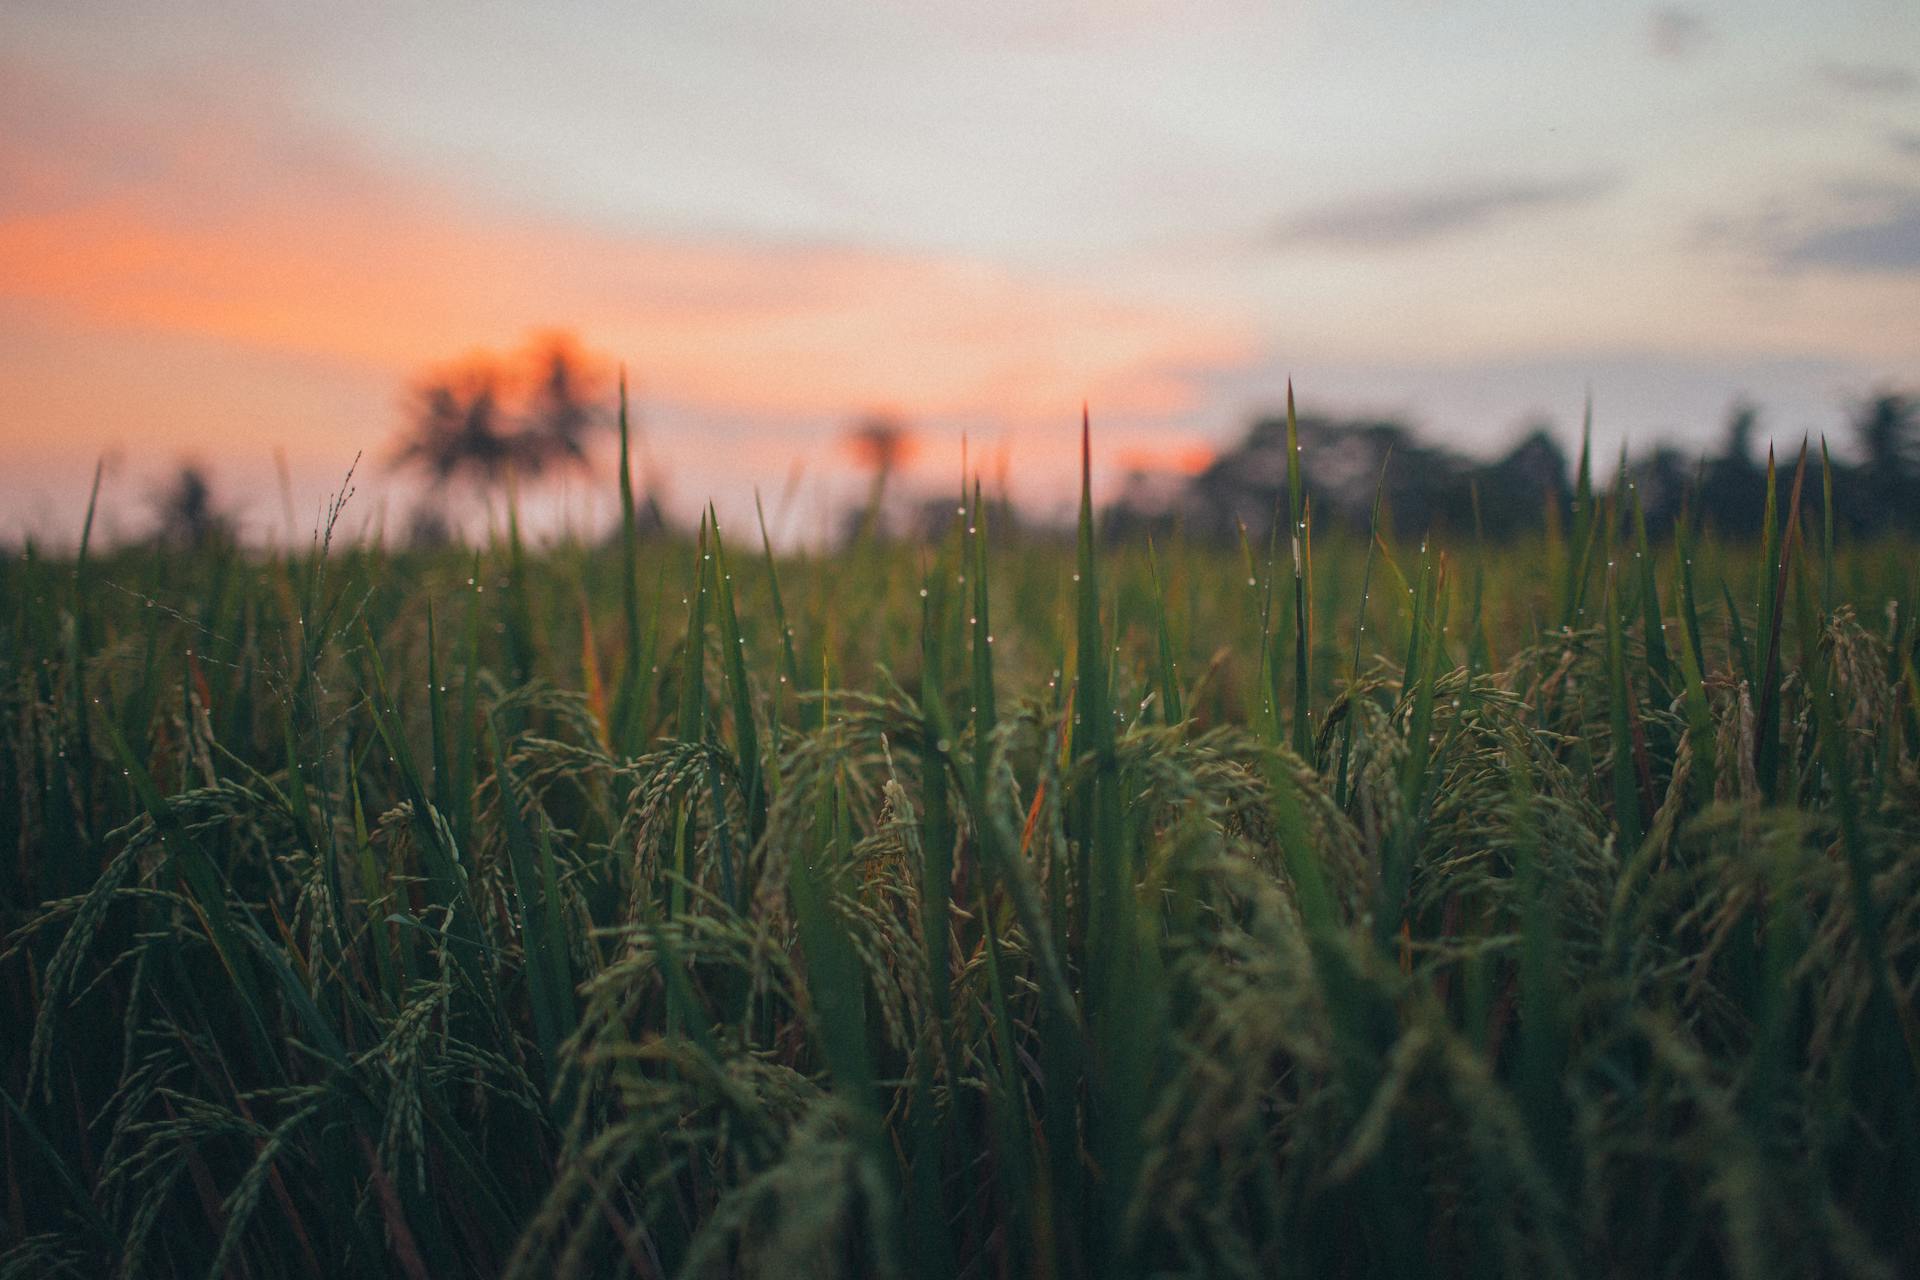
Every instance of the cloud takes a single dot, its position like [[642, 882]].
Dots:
[[1854, 227], [183, 275], [1395, 219], [1677, 34], [1870, 78], [1887, 241], [242, 229], [1905, 141]]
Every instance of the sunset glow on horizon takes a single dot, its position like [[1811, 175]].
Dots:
[[226, 237]]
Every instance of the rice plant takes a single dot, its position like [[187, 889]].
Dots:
[[996, 907]]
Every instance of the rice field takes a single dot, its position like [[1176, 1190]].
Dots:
[[1001, 906]]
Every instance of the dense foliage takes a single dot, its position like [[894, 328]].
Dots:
[[986, 908], [1436, 488]]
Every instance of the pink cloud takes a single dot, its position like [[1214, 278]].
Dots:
[[241, 232]]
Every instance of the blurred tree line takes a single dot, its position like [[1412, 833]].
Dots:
[[476, 425], [1429, 487]]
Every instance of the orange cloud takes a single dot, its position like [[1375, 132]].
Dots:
[[237, 231]]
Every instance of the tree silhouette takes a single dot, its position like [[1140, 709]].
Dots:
[[1889, 432], [1888, 436], [1429, 486], [566, 404], [881, 444], [457, 430], [1733, 489], [186, 516], [1665, 481], [491, 417]]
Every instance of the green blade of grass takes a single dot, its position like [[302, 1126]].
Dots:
[[462, 751], [1172, 710], [1778, 555], [200, 877], [447, 879], [1299, 537], [437, 723], [542, 935], [1626, 802], [691, 725], [1652, 619], [789, 664], [1693, 672], [692, 722], [515, 608], [1340, 791], [1737, 643], [632, 673], [1581, 533], [834, 979], [936, 824], [1417, 779], [746, 736], [1826, 528]]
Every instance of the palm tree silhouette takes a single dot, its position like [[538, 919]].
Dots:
[[490, 418], [187, 516], [881, 444]]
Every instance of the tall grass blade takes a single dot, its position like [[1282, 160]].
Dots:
[[1299, 540], [1773, 599]]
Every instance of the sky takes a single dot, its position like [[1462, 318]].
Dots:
[[236, 233]]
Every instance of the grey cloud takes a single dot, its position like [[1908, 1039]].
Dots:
[[1394, 219], [1677, 33], [1906, 141], [1888, 242], [1869, 77]]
